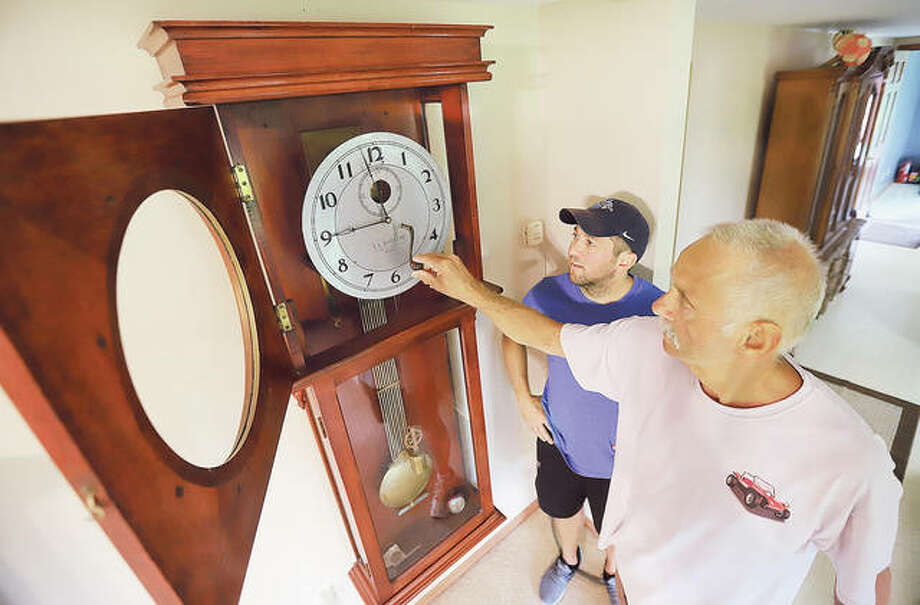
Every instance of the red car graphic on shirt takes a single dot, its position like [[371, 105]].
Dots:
[[757, 495]]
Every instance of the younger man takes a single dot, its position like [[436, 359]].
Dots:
[[576, 429]]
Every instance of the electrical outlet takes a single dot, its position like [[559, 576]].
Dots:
[[533, 233]]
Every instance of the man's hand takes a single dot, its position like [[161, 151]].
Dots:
[[447, 274], [533, 415]]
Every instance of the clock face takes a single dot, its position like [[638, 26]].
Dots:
[[368, 201]]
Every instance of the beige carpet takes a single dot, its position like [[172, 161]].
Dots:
[[510, 572]]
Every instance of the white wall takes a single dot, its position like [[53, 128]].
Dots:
[[615, 89], [599, 112], [730, 90], [587, 99]]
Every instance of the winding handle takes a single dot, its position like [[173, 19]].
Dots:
[[412, 264]]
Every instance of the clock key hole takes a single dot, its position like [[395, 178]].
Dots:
[[380, 191]]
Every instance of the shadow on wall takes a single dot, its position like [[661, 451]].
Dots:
[[553, 260], [760, 145]]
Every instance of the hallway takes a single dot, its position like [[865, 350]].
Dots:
[[870, 334], [898, 203], [894, 217]]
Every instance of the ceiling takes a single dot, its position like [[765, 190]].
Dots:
[[876, 18], [880, 18]]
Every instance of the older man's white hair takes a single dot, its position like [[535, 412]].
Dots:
[[784, 283]]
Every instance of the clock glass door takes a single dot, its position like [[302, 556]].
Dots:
[[407, 418]]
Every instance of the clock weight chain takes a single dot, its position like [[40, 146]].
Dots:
[[410, 468]]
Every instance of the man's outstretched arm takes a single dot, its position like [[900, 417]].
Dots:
[[447, 274]]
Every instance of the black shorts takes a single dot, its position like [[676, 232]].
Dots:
[[561, 492]]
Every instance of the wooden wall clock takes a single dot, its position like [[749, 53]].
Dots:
[[323, 132]]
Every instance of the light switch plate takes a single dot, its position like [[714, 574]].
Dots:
[[533, 233]]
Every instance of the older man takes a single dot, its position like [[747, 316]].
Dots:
[[735, 466]]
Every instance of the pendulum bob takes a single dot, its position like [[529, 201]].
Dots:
[[408, 475], [405, 480]]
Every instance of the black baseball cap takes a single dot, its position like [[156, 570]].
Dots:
[[608, 218]]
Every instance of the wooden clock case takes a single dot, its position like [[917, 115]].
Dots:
[[277, 97]]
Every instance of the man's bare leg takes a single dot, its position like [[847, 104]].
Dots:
[[620, 593], [614, 588], [611, 565], [568, 531]]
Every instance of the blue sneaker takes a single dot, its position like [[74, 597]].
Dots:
[[556, 579], [610, 582]]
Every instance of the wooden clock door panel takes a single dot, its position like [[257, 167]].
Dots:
[[187, 531], [435, 403]]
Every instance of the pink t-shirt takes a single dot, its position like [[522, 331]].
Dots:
[[715, 504]]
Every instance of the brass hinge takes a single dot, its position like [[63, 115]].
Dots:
[[284, 317], [243, 184]]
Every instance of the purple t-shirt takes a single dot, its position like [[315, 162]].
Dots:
[[583, 423]]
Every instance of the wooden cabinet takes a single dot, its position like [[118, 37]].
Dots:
[[395, 404], [820, 128]]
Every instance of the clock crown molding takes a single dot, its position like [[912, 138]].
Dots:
[[204, 62]]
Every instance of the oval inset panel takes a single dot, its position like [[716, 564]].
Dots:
[[187, 328]]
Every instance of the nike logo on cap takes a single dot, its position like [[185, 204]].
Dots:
[[627, 236]]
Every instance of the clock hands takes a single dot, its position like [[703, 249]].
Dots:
[[375, 193], [368, 166], [380, 190], [383, 206], [348, 230]]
